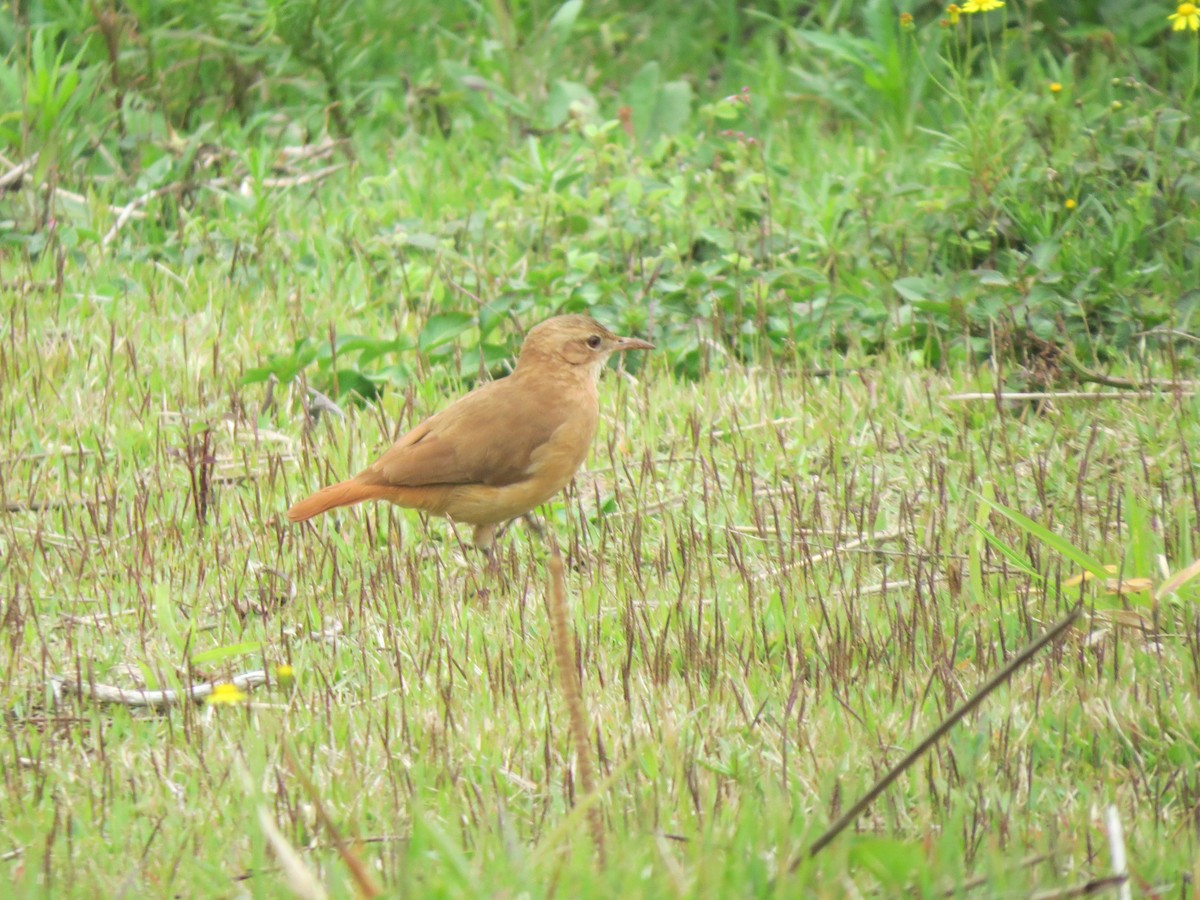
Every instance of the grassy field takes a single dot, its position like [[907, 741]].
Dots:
[[795, 548]]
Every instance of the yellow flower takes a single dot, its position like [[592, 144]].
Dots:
[[1186, 15], [906, 21], [226, 695], [1070, 204], [952, 13], [285, 676], [977, 6], [1055, 87]]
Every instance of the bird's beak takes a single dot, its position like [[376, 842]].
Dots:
[[623, 344]]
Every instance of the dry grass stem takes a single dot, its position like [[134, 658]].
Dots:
[[300, 878], [362, 878], [1116, 848], [572, 690]]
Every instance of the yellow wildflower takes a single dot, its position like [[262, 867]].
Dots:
[[1186, 15], [906, 21], [1055, 87], [1070, 204], [978, 6], [953, 11], [226, 695], [285, 676]]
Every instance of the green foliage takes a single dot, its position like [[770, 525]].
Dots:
[[990, 216]]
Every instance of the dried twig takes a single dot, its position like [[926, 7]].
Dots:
[[107, 693], [980, 880], [866, 539], [133, 207], [716, 434], [14, 175], [1083, 889], [1066, 395], [129, 209], [306, 178], [1083, 373], [1030, 650], [1168, 332], [53, 503]]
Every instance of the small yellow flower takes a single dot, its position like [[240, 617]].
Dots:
[[285, 676], [226, 695], [1055, 87], [1186, 15], [953, 11], [978, 6], [1070, 204], [906, 21]]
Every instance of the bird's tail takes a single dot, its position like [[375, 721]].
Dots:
[[345, 493]]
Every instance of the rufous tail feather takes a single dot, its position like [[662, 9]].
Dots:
[[345, 493]]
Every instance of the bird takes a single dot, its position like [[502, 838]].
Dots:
[[503, 449]]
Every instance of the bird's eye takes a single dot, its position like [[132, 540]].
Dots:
[[594, 342]]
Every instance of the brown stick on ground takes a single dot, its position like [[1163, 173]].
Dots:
[[106, 693], [568, 677], [1002, 675]]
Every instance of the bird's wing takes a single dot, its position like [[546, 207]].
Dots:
[[487, 437]]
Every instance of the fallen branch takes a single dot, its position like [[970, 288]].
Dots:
[[300, 180], [107, 693], [129, 209], [1083, 373], [1066, 395], [1085, 888], [18, 506], [1030, 650], [14, 175]]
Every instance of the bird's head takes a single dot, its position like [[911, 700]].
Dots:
[[578, 342]]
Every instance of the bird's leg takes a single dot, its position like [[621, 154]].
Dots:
[[529, 520], [484, 539]]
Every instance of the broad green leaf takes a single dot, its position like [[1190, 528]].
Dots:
[[914, 288], [1048, 537], [1018, 562], [563, 20], [562, 95], [658, 108], [443, 328]]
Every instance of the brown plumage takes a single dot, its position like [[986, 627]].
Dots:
[[504, 448]]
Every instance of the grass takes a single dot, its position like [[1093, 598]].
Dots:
[[791, 554], [771, 610]]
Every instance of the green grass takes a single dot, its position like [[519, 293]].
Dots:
[[788, 558]]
